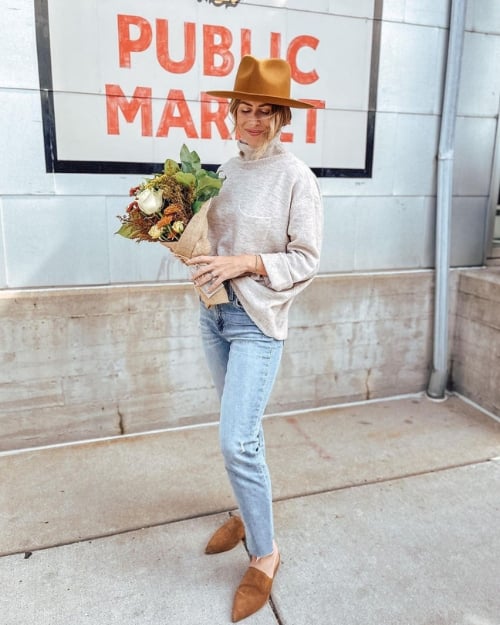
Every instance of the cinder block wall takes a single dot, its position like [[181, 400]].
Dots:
[[475, 368], [93, 362]]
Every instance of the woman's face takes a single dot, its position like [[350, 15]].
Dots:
[[252, 122]]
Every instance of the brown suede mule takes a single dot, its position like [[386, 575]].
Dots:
[[252, 593], [227, 536]]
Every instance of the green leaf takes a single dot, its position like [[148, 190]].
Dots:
[[127, 230], [185, 153], [190, 161], [207, 188], [212, 174], [195, 161], [206, 195], [203, 173], [170, 167], [185, 178], [206, 181], [197, 204]]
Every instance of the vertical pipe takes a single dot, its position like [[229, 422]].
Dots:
[[494, 194], [439, 375]]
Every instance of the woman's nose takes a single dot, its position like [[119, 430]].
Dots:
[[255, 118]]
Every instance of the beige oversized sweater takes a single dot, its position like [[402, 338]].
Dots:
[[270, 206]]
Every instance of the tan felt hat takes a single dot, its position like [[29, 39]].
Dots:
[[265, 80]]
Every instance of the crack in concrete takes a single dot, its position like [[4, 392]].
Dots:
[[121, 425], [367, 383], [276, 500]]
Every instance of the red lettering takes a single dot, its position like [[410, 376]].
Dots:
[[126, 44], [303, 41], [217, 117], [211, 49], [162, 52], [116, 100], [275, 51], [246, 43], [176, 102], [311, 122], [176, 114], [312, 118]]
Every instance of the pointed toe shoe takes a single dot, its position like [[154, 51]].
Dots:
[[227, 536], [252, 593]]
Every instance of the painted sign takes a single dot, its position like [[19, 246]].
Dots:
[[123, 84]]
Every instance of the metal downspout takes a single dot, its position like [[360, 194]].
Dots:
[[439, 375]]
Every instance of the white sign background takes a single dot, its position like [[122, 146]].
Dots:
[[103, 48]]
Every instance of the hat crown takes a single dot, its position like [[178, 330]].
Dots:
[[264, 80], [264, 77]]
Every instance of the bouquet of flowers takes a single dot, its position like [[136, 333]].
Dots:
[[171, 208], [164, 204]]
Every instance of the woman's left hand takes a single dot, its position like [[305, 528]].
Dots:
[[216, 269]]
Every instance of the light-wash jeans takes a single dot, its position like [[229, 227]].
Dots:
[[244, 363]]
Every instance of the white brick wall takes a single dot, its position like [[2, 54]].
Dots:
[[386, 222]]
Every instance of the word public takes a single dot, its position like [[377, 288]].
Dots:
[[135, 37]]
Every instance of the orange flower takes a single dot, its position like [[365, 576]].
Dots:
[[165, 221], [173, 208]]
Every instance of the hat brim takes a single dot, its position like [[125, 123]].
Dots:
[[241, 95]]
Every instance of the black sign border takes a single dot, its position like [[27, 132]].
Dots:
[[55, 165]]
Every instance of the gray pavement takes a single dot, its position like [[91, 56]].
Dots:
[[386, 513]]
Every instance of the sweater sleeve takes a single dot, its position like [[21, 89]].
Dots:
[[300, 261]]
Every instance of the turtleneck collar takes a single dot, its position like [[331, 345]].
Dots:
[[248, 153]]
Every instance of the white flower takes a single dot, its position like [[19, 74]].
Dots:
[[150, 201], [178, 227], [155, 232]]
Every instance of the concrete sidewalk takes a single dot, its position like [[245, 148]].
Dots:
[[386, 513]]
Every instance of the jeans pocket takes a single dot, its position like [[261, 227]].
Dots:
[[236, 303], [232, 297]]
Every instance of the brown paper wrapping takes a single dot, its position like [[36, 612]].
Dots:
[[194, 242]]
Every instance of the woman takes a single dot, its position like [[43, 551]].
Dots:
[[265, 230]]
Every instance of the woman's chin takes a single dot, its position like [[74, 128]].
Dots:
[[254, 141]]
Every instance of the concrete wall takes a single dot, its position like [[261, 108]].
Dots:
[[476, 347], [84, 363]]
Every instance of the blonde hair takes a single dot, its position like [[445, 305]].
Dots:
[[281, 116]]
